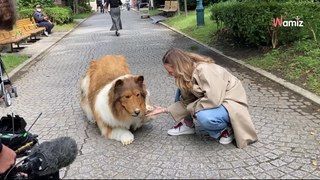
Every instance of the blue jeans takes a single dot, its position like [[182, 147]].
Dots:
[[212, 120]]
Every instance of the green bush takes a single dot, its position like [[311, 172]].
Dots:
[[84, 8], [33, 3], [254, 22], [27, 12], [59, 15]]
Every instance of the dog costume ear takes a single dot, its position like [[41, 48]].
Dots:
[[118, 84], [139, 80]]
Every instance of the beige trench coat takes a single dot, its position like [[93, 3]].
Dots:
[[212, 86]]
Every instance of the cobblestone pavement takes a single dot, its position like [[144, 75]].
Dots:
[[288, 125]]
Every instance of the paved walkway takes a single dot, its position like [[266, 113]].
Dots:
[[288, 125]]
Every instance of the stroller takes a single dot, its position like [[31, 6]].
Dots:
[[6, 92]]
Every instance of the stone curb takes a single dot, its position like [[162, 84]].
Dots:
[[18, 68], [305, 93]]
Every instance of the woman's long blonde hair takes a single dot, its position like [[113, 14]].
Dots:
[[184, 63]]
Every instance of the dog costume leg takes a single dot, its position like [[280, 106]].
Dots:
[[123, 135], [120, 134]]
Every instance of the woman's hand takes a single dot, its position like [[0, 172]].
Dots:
[[158, 110], [7, 158]]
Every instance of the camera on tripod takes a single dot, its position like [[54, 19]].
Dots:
[[14, 135]]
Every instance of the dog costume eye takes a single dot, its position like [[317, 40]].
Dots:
[[127, 97], [138, 95]]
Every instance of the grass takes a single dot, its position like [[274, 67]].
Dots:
[[154, 12], [82, 16], [297, 63], [188, 25], [65, 27], [69, 26], [11, 61]]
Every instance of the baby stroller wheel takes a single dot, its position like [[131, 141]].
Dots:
[[7, 98], [14, 91]]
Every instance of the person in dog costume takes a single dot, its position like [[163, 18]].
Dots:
[[209, 94]]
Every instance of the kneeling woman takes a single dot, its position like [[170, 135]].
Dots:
[[209, 94]]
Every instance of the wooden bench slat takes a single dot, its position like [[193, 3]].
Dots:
[[28, 26], [172, 8], [12, 37]]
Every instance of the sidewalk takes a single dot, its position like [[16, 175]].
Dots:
[[38, 48], [288, 124]]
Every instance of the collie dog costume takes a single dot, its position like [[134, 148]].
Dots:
[[114, 99]]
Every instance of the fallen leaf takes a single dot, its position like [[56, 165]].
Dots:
[[312, 133], [314, 162]]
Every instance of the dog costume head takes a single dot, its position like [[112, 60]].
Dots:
[[129, 97]]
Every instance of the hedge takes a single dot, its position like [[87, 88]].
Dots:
[[59, 15], [254, 22]]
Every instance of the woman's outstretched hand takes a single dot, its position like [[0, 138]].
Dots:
[[157, 110]]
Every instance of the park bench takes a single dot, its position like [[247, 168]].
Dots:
[[172, 10], [12, 37], [28, 26], [166, 6]]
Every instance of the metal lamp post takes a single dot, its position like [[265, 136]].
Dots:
[[200, 13]]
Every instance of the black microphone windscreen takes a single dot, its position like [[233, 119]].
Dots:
[[8, 14], [58, 153]]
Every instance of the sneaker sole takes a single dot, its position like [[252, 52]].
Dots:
[[227, 142], [177, 134]]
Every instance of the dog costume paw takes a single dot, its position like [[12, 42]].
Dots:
[[127, 138]]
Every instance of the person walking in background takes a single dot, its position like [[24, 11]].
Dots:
[[115, 14], [209, 94], [42, 20], [100, 5]]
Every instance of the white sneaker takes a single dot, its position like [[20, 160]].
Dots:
[[227, 136], [46, 33], [180, 129]]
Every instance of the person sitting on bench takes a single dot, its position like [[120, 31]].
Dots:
[[42, 20]]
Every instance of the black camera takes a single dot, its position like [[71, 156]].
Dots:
[[14, 135]]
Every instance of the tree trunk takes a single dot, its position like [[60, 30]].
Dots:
[[75, 6]]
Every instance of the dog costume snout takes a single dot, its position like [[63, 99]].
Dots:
[[137, 111]]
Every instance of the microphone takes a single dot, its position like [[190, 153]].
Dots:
[[50, 156], [8, 14]]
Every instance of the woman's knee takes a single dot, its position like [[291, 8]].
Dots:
[[207, 118]]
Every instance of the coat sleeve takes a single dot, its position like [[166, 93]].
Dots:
[[178, 111], [210, 88]]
